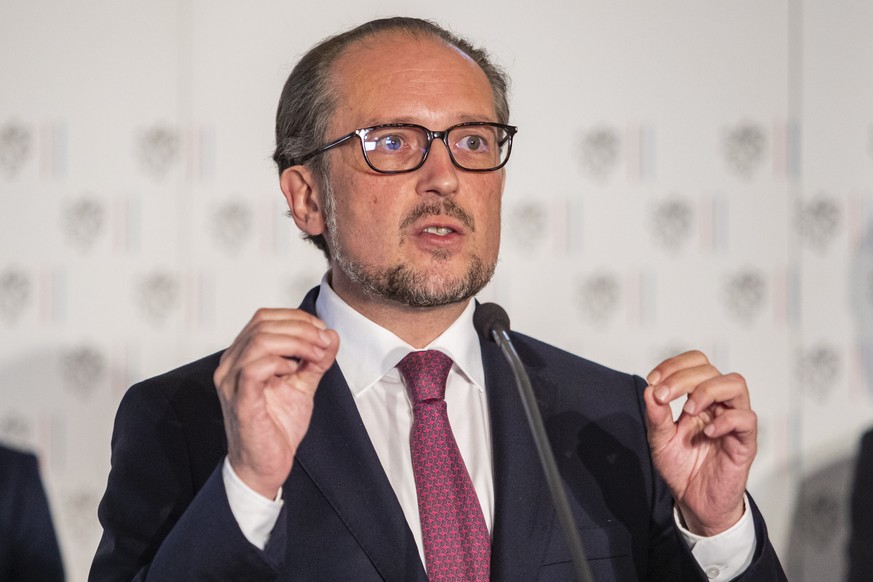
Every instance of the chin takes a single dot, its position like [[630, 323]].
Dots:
[[446, 279]]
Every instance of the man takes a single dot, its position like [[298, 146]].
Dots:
[[301, 452], [29, 550]]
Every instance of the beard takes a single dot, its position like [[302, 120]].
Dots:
[[401, 283]]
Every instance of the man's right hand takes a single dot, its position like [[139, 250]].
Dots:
[[266, 382]]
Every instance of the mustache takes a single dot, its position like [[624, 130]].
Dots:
[[445, 207]]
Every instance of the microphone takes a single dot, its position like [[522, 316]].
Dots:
[[489, 317], [492, 324]]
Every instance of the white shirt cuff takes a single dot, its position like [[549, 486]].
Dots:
[[255, 514], [725, 556]]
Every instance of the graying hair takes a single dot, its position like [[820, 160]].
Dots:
[[309, 99]]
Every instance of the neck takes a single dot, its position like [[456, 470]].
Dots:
[[417, 326]]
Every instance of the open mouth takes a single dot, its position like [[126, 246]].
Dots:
[[439, 230]]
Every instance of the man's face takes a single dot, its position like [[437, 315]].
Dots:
[[423, 238]]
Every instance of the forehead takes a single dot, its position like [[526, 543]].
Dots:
[[395, 77]]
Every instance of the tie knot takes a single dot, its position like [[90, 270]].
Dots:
[[425, 374]]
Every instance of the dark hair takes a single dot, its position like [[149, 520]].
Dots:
[[309, 99]]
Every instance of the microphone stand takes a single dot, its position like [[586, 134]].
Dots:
[[553, 478]]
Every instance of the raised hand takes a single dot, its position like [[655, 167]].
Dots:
[[705, 455], [266, 382]]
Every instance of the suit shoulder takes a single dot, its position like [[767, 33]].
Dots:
[[542, 357], [177, 414], [188, 391], [196, 376]]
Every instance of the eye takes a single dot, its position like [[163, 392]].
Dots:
[[394, 140], [474, 143], [389, 143]]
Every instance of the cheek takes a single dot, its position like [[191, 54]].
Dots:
[[493, 233], [491, 220], [365, 214]]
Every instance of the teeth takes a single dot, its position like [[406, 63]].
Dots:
[[438, 230]]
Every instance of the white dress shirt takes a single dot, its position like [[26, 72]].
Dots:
[[367, 356]]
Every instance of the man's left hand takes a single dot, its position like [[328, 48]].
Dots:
[[704, 455]]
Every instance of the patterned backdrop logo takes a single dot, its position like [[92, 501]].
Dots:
[[817, 371], [820, 515], [527, 225], [157, 295], [83, 222], [16, 142], [818, 221], [671, 223], [78, 509], [598, 297], [599, 151], [81, 369], [15, 293], [157, 149], [744, 295], [744, 147], [231, 225]]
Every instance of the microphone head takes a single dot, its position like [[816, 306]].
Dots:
[[487, 317]]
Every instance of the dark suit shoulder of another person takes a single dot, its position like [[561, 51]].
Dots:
[[861, 536], [29, 549]]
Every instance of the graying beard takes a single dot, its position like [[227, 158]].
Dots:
[[403, 285], [400, 283]]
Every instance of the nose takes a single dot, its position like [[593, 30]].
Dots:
[[438, 175]]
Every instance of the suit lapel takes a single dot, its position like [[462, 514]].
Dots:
[[362, 495], [523, 511], [340, 459]]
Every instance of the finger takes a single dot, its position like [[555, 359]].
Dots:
[[256, 373], [741, 423], [277, 314], [290, 325], [310, 372], [286, 347], [659, 419], [308, 346], [264, 318], [683, 381], [669, 366], [730, 390], [297, 339]]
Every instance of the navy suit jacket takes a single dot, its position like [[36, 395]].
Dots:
[[28, 547], [166, 517]]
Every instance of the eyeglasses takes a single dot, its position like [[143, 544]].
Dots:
[[394, 148]]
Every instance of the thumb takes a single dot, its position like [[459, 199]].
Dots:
[[659, 420]]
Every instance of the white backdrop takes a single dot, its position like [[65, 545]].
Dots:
[[686, 174]]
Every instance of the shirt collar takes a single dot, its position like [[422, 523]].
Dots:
[[368, 352]]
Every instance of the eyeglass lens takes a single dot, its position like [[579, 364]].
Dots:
[[476, 147]]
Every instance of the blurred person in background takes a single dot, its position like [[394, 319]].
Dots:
[[29, 550], [861, 532]]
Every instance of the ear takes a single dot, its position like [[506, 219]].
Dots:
[[303, 196]]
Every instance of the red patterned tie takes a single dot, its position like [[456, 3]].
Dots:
[[456, 541]]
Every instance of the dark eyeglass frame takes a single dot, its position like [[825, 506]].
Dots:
[[510, 130]]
